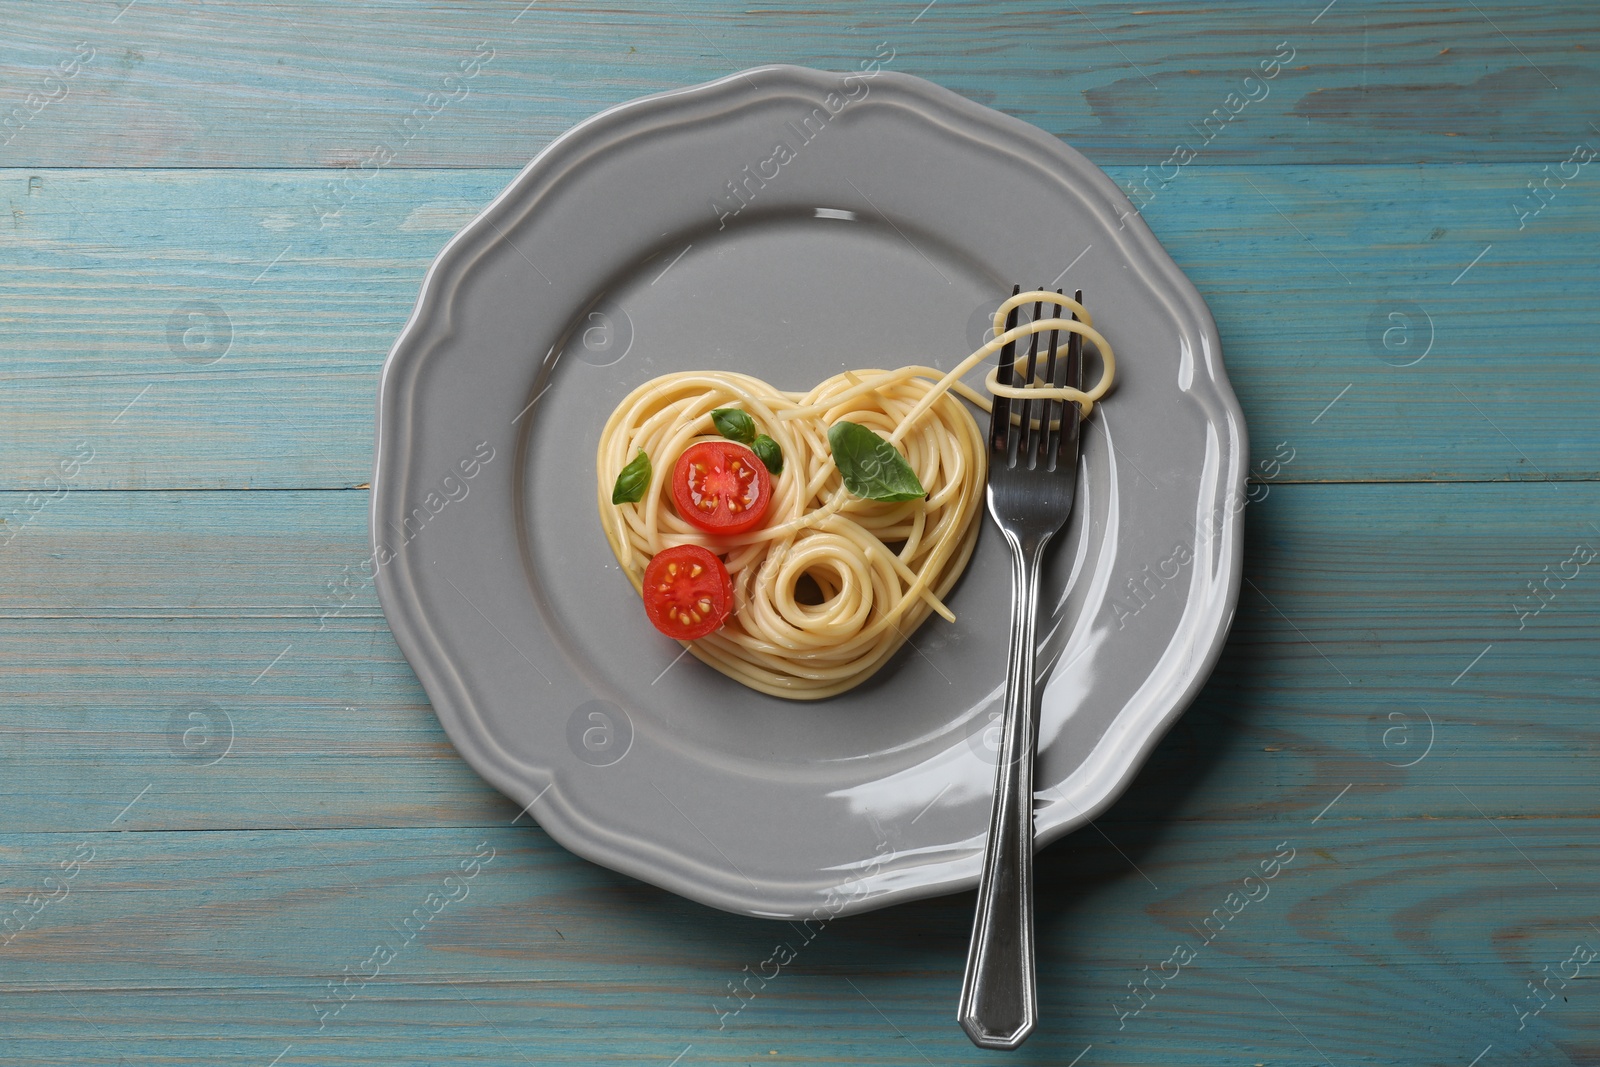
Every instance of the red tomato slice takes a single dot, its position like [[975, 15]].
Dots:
[[687, 592], [721, 487]]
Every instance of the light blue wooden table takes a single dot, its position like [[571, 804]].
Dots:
[[216, 806]]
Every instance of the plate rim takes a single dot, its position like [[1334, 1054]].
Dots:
[[1114, 760]]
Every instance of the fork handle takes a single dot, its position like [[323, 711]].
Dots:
[[999, 993]]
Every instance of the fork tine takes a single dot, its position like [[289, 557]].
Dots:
[[1074, 380], [1049, 439], [1027, 441], [1075, 352], [1000, 413]]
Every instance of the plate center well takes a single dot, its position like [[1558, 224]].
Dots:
[[792, 299]]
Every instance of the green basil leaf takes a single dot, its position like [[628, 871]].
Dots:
[[735, 425], [771, 455], [633, 482], [871, 467]]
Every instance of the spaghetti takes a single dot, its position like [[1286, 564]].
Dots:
[[830, 585]]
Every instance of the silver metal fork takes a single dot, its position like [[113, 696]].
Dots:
[[1033, 476]]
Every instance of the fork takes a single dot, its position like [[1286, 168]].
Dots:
[[1032, 481]]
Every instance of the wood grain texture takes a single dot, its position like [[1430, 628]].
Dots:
[[173, 83], [1304, 268], [123, 613], [219, 799], [181, 948]]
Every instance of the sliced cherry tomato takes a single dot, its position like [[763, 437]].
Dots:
[[687, 592], [721, 487]]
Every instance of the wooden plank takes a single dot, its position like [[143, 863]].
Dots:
[[299, 83], [1322, 280], [170, 948], [172, 641]]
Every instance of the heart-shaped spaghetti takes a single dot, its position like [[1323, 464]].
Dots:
[[829, 585]]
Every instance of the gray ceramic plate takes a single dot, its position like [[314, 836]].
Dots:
[[673, 232]]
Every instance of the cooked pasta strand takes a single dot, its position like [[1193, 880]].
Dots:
[[881, 568]]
